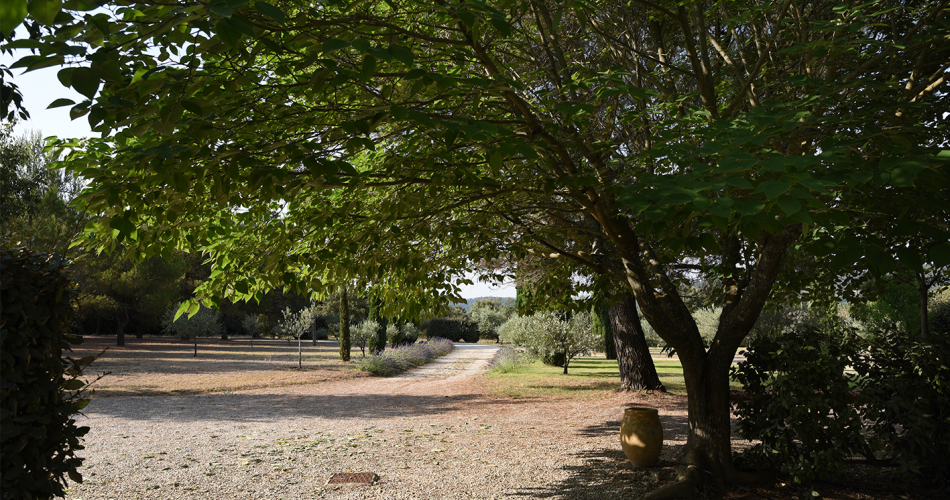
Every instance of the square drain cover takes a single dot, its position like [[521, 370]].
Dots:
[[353, 478]]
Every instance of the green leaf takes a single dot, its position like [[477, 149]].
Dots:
[[402, 54], [241, 25], [227, 33], [773, 189], [789, 205], [494, 161], [85, 81], [44, 11], [271, 12], [222, 10], [12, 13], [739, 182], [368, 69], [939, 254], [502, 26], [73, 385], [400, 113], [910, 259], [360, 44], [60, 102], [333, 44]]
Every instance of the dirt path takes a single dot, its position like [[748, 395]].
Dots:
[[432, 433], [465, 360]]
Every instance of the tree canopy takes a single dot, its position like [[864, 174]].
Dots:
[[392, 143]]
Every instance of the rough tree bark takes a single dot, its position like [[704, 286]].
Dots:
[[120, 322], [344, 327], [637, 372]]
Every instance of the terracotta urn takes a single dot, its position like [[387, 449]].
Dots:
[[641, 436]]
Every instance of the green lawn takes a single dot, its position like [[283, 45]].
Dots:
[[587, 377]]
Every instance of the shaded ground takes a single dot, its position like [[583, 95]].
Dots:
[[167, 366], [432, 433]]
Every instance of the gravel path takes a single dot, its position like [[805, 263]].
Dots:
[[431, 433]]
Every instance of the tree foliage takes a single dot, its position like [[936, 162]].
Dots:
[[547, 335], [41, 389]]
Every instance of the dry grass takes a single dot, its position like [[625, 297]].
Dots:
[[165, 366]]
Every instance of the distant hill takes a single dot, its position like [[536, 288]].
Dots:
[[468, 303]]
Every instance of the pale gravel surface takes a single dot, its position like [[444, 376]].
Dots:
[[428, 434]]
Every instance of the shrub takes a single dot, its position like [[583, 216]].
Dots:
[[251, 326], [938, 313], [506, 360], [402, 358], [321, 334], [803, 406], [547, 336], [394, 335], [456, 330], [799, 403], [905, 398], [490, 314], [41, 390], [410, 333]]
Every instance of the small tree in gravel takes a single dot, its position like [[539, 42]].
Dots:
[[296, 324], [204, 322], [545, 334]]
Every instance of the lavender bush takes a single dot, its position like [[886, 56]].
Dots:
[[402, 358], [506, 360]]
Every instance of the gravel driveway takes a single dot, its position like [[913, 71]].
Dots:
[[431, 433]]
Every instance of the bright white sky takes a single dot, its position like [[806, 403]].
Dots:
[[41, 87]]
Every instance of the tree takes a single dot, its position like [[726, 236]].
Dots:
[[637, 371], [547, 334], [633, 140], [490, 314], [344, 326], [204, 322]]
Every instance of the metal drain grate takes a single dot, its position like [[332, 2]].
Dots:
[[353, 478]]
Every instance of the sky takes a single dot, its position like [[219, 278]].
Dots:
[[41, 87]]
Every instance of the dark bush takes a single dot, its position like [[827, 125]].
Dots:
[[489, 335], [811, 415], [905, 399], [553, 359], [40, 390], [456, 330], [799, 403]]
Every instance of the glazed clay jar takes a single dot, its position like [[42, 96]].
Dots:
[[641, 436]]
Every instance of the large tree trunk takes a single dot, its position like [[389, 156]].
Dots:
[[121, 320], [344, 327], [637, 371]]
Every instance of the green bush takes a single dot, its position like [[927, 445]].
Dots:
[[551, 337], [905, 398], [811, 415], [938, 313], [456, 330], [394, 335], [40, 390], [799, 403]]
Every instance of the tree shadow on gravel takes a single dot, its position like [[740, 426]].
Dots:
[[606, 473], [267, 407]]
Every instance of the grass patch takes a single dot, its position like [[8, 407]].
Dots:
[[587, 377]]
